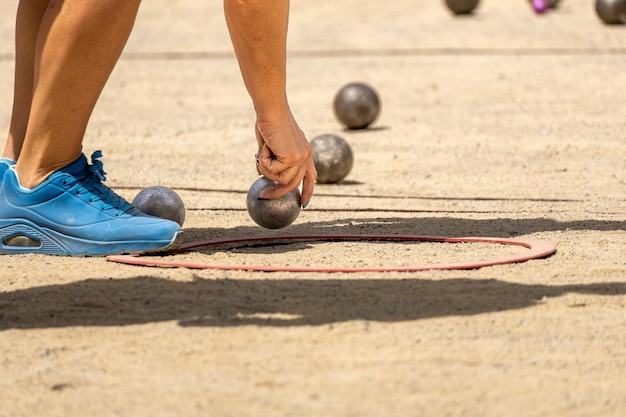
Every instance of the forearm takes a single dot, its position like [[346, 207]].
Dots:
[[258, 30]]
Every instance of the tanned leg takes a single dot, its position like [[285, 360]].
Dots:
[[77, 46], [29, 16]]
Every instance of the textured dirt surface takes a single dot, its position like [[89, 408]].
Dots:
[[501, 124]]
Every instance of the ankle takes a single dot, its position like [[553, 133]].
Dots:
[[10, 151], [29, 180]]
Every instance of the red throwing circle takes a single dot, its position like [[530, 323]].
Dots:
[[536, 249]]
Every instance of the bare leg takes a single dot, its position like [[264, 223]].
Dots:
[[78, 44], [29, 15]]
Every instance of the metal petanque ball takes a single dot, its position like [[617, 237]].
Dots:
[[462, 6], [161, 202], [356, 105], [333, 158], [611, 11], [275, 213]]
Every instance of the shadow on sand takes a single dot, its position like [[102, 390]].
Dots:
[[297, 300]]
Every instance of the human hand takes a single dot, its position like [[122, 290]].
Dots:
[[285, 156]]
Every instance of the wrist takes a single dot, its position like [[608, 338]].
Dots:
[[272, 111]]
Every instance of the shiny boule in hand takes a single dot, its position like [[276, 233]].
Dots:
[[275, 213]]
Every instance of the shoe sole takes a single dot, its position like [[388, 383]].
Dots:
[[22, 237]]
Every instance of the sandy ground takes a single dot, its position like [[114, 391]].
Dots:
[[503, 124]]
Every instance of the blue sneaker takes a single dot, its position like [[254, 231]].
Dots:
[[74, 213]]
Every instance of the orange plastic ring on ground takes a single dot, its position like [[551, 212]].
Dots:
[[536, 250]]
